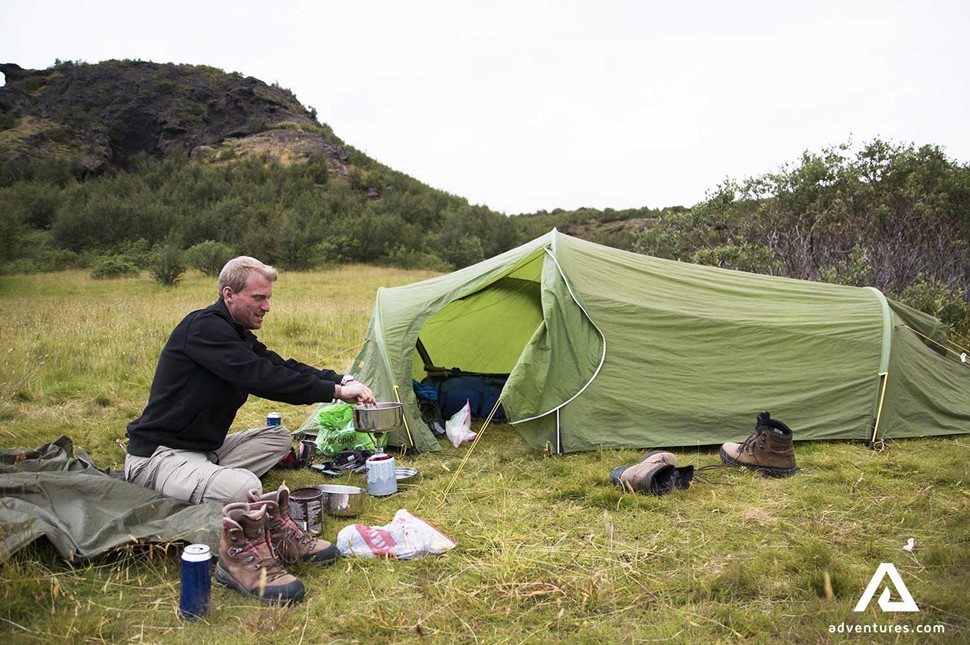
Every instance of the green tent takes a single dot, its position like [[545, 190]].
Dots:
[[606, 348]]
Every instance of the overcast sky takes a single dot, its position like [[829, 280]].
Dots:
[[529, 104]]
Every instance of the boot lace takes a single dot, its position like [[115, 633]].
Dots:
[[287, 540], [749, 445], [296, 541], [264, 554], [702, 475]]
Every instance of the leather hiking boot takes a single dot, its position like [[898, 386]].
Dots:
[[769, 449], [247, 562], [291, 542], [657, 473]]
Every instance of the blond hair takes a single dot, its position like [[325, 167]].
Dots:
[[237, 270]]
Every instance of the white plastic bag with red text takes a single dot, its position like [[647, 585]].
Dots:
[[459, 427], [405, 538]]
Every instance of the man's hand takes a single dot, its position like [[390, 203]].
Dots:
[[355, 392]]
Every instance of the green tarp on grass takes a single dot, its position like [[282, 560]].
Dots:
[[48, 492], [607, 348]]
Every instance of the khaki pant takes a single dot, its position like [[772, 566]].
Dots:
[[224, 475]]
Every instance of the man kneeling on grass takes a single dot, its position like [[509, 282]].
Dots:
[[180, 446]]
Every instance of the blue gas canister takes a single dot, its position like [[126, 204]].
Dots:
[[196, 583]]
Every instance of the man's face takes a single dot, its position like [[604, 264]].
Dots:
[[247, 307]]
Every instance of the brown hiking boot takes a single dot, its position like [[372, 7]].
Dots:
[[247, 562], [769, 449], [289, 540], [656, 473]]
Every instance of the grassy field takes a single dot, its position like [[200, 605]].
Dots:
[[547, 550]]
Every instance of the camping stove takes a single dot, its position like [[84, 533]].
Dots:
[[378, 419]]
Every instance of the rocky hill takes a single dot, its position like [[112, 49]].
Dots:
[[105, 115]]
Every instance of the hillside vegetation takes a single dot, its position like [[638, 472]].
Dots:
[[127, 165]]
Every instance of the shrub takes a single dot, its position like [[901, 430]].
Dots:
[[951, 306], [208, 257], [753, 258], [8, 120], [463, 252], [169, 265], [113, 266], [405, 258], [33, 253], [138, 253], [337, 249], [855, 270], [11, 232], [316, 169]]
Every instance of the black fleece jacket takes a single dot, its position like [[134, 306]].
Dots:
[[207, 370]]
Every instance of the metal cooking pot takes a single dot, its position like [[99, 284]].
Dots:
[[379, 417], [342, 501]]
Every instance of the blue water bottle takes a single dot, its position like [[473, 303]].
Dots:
[[196, 585]]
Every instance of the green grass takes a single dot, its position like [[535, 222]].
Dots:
[[547, 550]]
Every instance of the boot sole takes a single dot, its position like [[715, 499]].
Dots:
[[323, 562], [282, 597], [770, 472]]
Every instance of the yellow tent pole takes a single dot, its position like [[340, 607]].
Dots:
[[468, 454], [397, 395], [882, 398], [943, 347]]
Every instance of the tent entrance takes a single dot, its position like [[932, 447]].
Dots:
[[467, 349], [487, 330]]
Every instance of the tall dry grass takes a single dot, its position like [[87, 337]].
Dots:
[[547, 550]]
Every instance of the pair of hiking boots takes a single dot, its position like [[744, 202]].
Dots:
[[769, 450], [258, 538]]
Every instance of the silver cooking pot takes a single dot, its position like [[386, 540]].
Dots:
[[379, 417], [342, 501]]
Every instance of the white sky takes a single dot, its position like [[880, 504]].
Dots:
[[538, 104]]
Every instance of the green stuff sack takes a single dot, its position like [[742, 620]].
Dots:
[[337, 431]]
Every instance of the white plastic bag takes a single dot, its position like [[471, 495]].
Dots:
[[459, 427], [405, 538]]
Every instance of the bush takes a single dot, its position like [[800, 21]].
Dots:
[[855, 270], [34, 253], [405, 258], [753, 258], [209, 257], [113, 266], [933, 297], [338, 249], [463, 252], [169, 266], [8, 120], [139, 253]]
